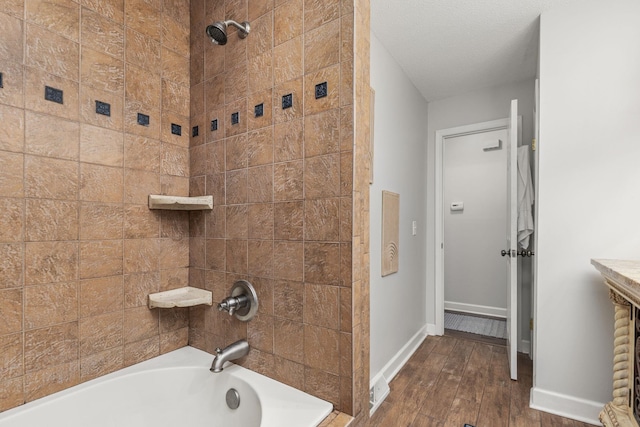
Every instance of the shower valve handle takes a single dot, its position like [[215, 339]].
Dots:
[[242, 303], [231, 304]]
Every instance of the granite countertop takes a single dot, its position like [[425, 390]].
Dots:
[[622, 275], [624, 271]]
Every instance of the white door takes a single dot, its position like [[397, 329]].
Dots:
[[512, 241], [474, 178]]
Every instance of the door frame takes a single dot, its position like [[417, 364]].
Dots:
[[441, 136]]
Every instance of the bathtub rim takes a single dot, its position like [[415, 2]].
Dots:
[[184, 357]]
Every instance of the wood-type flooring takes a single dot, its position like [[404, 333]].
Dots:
[[452, 381]]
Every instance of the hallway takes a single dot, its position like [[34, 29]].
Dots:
[[451, 381]]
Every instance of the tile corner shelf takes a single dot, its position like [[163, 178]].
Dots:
[[177, 203], [181, 297]]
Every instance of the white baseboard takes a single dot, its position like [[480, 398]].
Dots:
[[391, 369], [566, 406], [396, 363], [483, 310], [431, 329], [524, 346]]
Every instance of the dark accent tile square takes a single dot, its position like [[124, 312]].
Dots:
[[52, 94], [176, 129], [214, 125], [287, 101], [143, 119], [1, 84], [235, 118], [321, 90], [103, 108], [259, 110], [195, 131]]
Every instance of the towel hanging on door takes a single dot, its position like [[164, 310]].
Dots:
[[525, 198]]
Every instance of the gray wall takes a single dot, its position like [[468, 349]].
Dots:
[[589, 184], [398, 300]]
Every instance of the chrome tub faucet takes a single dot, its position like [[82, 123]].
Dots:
[[231, 352]]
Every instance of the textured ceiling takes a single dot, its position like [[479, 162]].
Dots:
[[449, 47]]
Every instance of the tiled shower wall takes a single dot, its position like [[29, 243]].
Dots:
[[361, 231], [79, 250], [282, 184]]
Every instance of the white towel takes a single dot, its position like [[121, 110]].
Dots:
[[525, 197]]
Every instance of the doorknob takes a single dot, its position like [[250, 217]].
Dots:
[[524, 253], [503, 252], [512, 254]]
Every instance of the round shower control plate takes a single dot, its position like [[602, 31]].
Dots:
[[242, 287]]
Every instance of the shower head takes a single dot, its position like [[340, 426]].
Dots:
[[218, 31]]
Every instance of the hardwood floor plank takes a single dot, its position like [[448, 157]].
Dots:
[[419, 391], [474, 377], [400, 415], [425, 421], [424, 350], [551, 420], [498, 372], [426, 394], [380, 414], [445, 345], [430, 371], [458, 358], [441, 397], [521, 421], [481, 356], [462, 412], [399, 383], [471, 387], [519, 406], [411, 373], [475, 337], [403, 411], [525, 364], [494, 409]]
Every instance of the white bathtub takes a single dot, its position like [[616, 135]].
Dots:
[[174, 389]]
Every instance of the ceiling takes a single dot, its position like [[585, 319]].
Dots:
[[449, 47]]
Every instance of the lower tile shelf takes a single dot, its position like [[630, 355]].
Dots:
[[178, 203], [181, 297]]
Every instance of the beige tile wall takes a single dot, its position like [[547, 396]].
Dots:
[[283, 187], [361, 229], [79, 250]]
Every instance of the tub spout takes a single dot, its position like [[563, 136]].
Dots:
[[232, 352]]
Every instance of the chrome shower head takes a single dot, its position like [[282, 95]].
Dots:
[[218, 31]]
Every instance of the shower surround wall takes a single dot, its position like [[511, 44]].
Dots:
[[79, 249], [282, 181]]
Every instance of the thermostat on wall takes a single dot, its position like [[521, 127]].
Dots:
[[457, 206]]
